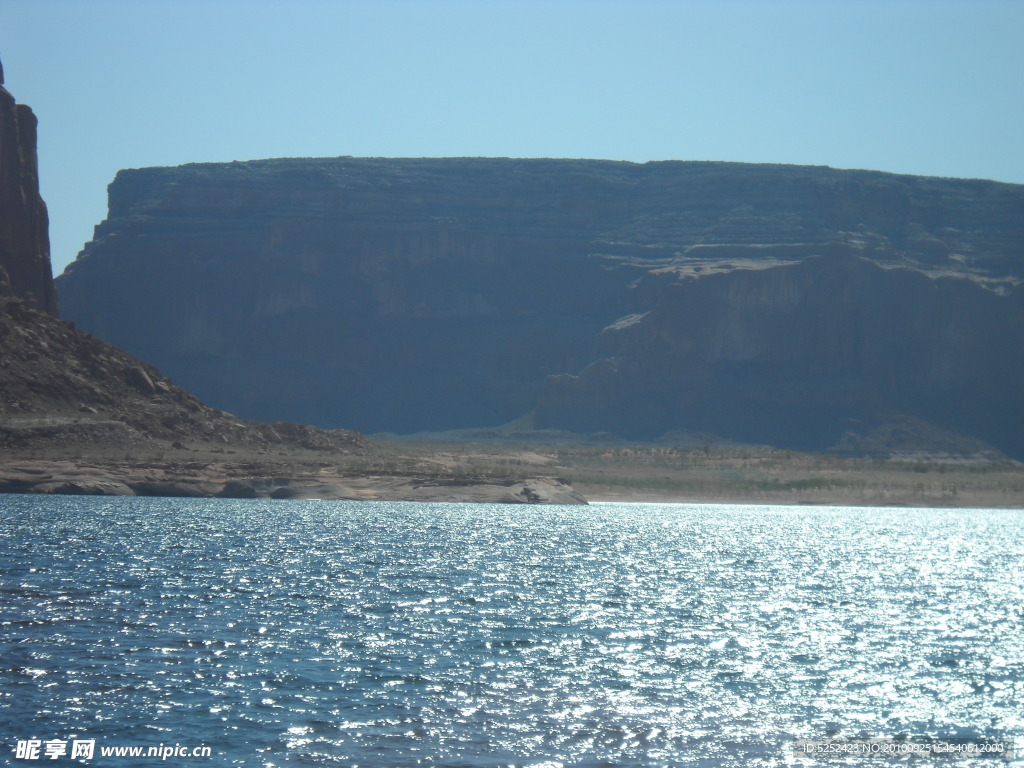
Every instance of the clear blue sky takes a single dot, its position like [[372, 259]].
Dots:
[[912, 86]]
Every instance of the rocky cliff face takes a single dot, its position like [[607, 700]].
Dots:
[[774, 303], [24, 227]]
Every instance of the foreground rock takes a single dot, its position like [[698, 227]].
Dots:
[[774, 304]]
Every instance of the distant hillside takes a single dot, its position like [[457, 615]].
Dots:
[[777, 304]]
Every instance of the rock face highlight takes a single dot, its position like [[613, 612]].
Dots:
[[780, 304], [24, 227]]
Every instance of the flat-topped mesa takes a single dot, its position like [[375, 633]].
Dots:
[[403, 295], [24, 227]]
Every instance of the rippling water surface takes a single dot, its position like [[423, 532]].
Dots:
[[388, 634]]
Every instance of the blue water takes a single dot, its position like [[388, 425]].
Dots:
[[305, 633]]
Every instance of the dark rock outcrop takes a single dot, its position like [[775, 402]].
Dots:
[[769, 303], [24, 227]]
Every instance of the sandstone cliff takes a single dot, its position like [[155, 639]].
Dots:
[[772, 303], [24, 227]]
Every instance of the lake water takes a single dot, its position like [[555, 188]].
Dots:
[[314, 633]]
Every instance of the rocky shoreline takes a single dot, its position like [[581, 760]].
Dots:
[[245, 481]]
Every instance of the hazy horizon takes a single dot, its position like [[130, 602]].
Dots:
[[906, 86]]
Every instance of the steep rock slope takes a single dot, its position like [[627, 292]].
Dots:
[[405, 294], [59, 384]]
